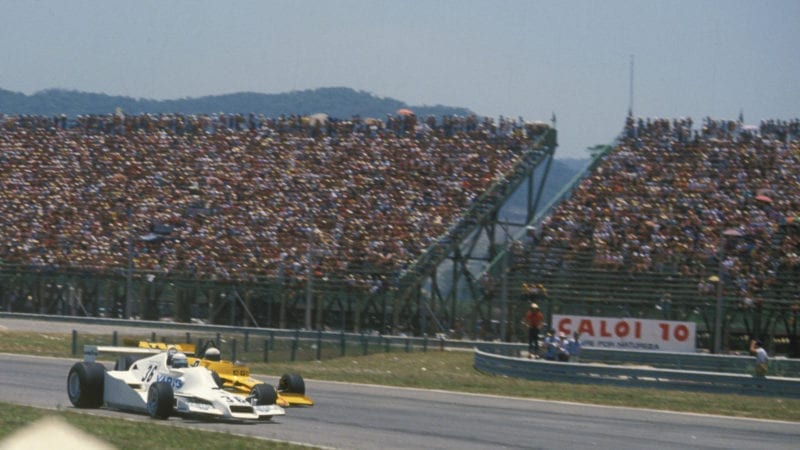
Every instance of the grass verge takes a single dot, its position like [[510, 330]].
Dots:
[[134, 435]]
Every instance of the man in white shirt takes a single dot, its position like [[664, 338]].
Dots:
[[762, 360]]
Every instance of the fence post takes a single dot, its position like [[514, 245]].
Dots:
[[425, 342], [387, 344], [114, 338], [189, 338], [343, 344], [294, 345], [266, 350], [153, 336], [408, 345], [319, 345], [364, 343], [272, 340], [74, 342], [218, 343], [233, 349], [246, 340]]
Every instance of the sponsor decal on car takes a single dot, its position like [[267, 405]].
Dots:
[[176, 382]]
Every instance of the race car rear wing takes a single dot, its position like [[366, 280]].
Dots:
[[184, 347], [134, 348], [91, 352]]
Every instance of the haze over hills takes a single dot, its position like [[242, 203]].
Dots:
[[337, 102]]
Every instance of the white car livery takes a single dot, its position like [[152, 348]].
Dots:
[[156, 386]]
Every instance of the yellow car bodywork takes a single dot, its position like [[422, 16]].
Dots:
[[234, 376]]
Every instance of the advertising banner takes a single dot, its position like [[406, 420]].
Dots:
[[629, 333]]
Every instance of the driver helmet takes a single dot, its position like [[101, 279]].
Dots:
[[212, 354], [179, 360], [171, 351]]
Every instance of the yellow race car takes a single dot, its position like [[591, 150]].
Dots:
[[235, 377]]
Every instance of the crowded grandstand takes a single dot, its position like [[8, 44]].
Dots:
[[243, 200], [675, 217], [235, 198]]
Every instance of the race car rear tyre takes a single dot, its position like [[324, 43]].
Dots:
[[160, 400], [264, 394], [85, 384], [292, 383]]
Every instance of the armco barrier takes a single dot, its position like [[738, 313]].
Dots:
[[304, 344], [632, 376], [703, 362]]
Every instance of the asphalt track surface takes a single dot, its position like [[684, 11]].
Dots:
[[349, 416]]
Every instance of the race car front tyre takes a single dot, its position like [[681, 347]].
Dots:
[[292, 383], [264, 394], [160, 400], [85, 384]]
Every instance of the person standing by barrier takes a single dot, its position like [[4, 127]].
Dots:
[[762, 360], [533, 320]]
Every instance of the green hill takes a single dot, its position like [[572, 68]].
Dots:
[[337, 102]]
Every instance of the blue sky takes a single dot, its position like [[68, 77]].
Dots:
[[692, 58]]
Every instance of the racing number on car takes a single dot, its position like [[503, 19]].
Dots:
[[151, 370]]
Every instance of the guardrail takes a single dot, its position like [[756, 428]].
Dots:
[[318, 344], [632, 376], [704, 362], [250, 344]]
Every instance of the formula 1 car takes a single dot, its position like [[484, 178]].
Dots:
[[235, 377], [161, 385]]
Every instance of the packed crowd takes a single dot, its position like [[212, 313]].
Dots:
[[673, 198], [236, 197]]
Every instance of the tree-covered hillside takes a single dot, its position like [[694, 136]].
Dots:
[[337, 102]]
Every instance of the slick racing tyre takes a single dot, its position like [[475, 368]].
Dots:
[[160, 400], [85, 384], [292, 383], [264, 394]]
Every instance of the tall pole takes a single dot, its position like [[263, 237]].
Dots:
[[504, 299], [309, 274], [129, 271], [718, 312], [504, 334], [630, 93]]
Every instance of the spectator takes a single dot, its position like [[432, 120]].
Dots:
[[552, 346], [533, 320], [762, 360]]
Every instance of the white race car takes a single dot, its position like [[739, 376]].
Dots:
[[162, 385]]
